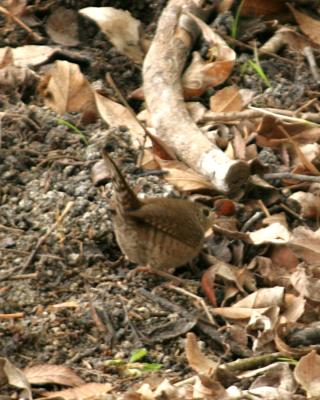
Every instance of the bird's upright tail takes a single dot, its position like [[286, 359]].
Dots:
[[126, 199]]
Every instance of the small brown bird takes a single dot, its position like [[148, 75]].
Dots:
[[162, 233]]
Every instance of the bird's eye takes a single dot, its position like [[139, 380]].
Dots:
[[205, 212]]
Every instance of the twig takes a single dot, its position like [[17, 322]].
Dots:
[[252, 220], [82, 354], [127, 105], [10, 229], [305, 105], [283, 117], [17, 277], [231, 116], [260, 52], [13, 315], [139, 337], [195, 297], [26, 253], [102, 321], [289, 211], [308, 52], [43, 238], [289, 175], [254, 112], [7, 274], [251, 362], [18, 21], [263, 208]]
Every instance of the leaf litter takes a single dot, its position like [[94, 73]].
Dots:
[[67, 300]]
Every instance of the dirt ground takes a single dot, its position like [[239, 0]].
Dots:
[[77, 277]]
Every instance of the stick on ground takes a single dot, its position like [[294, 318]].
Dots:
[[162, 70]]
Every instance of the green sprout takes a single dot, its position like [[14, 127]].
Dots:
[[256, 66], [288, 360], [137, 355], [61, 121], [133, 366], [235, 24]]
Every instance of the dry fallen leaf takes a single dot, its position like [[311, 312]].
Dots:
[[67, 89], [306, 244], [115, 114], [265, 8], [83, 392], [230, 99], [307, 373], [201, 74], [183, 177], [47, 373], [120, 27], [264, 297], [224, 271], [309, 203], [306, 282], [309, 26], [62, 26], [30, 55], [272, 382], [274, 233], [9, 374], [196, 359], [270, 132], [293, 309]]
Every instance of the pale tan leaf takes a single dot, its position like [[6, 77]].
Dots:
[[309, 26], [277, 375], [307, 282], [208, 388], [201, 75], [9, 374], [264, 297], [120, 27], [294, 307], [282, 256], [62, 26], [183, 177], [289, 37], [47, 373], [196, 359], [306, 244], [307, 373], [226, 100], [237, 313], [68, 90], [15, 7], [115, 114], [30, 55], [309, 203], [84, 392], [274, 233]]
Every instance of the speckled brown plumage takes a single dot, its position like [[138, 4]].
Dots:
[[162, 233]]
